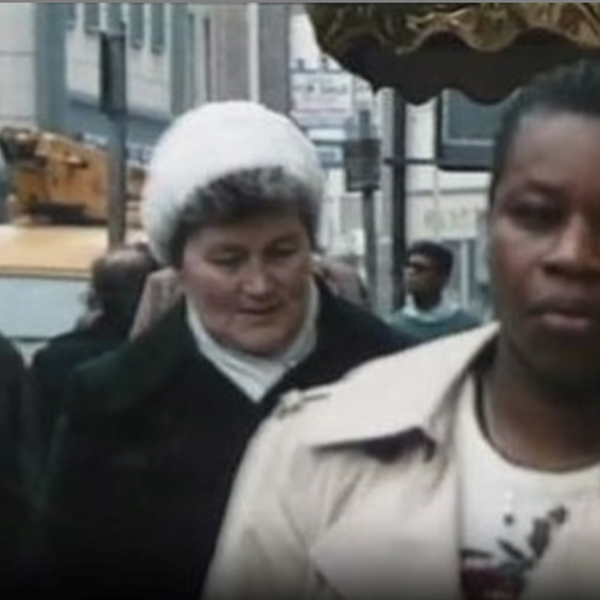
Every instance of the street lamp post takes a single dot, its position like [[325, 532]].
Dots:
[[362, 169], [113, 103]]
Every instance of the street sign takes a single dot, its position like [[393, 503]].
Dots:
[[362, 164], [321, 98]]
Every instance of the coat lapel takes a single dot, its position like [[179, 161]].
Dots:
[[165, 346], [401, 543]]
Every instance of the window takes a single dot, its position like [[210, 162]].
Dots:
[[91, 16], [71, 14], [137, 24], [114, 15], [465, 131], [158, 26]]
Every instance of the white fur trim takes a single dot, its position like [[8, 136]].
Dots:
[[214, 140]]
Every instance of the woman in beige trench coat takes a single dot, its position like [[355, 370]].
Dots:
[[469, 467]]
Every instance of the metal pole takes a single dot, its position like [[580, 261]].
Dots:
[[114, 105], [398, 209], [117, 219], [369, 216], [370, 229], [254, 52], [51, 96]]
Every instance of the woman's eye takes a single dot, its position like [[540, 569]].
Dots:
[[283, 252], [535, 215], [227, 261]]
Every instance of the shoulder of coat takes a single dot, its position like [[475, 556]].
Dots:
[[295, 401]]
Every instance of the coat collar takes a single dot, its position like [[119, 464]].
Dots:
[[401, 539], [398, 394], [121, 379], [400, 536]]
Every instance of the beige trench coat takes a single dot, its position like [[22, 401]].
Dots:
[[322, 509]]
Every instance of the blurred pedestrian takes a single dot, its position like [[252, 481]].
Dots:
[[428, 312], [116, 283], [162, 291], [15, 471], [468, 467], [153, 433], [343, 279]]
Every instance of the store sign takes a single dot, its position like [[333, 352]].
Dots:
[[321, 98], [448, 219]]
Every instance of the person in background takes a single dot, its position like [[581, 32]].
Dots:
[[468, 467], [15, 470], [428, 313], [343, 279], [152, 434], [116, 283], [162, 291]]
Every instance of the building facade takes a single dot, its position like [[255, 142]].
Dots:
[[243, 53], [50, 67], [50, 79]]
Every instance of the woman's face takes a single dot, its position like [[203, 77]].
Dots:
[[249, 282], [545, 248]]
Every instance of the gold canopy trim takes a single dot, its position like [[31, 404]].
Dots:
[[484, 27]]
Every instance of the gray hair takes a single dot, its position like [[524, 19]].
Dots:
[[240, 196]]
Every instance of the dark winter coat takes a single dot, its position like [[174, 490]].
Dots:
[[145, 455], [53, 364], [15, 507]]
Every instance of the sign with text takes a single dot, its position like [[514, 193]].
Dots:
[[322, 98]]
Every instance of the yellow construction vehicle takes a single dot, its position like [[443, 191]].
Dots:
[[60, 179], [57, 225]]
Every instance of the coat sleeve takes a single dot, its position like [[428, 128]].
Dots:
[[75, 490], [262, 553]]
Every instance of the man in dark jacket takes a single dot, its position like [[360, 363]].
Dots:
[[15, 468], [143, 459], [117, 281]]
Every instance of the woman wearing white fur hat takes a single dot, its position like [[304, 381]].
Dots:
[[151, 435]]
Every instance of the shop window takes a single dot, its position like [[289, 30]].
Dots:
[[158, 25], [114, 15], [137, 24], [71, 14], [91, 16]]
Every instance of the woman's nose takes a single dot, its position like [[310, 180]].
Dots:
[[257, 281], [577, 250]]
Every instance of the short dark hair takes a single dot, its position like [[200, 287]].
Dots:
[[441, 256], [117, 281], [240, 196], [573, 89]]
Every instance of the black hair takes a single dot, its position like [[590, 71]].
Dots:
[[240, 196], [572, 89], [441, 256]]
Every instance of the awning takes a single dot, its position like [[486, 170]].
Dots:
[[485, 50]]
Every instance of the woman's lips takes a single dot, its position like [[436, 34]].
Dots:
[[569, 318], [573, 315], [569, 322], [260, 312]]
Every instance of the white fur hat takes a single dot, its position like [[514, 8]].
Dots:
[[210, 142]]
